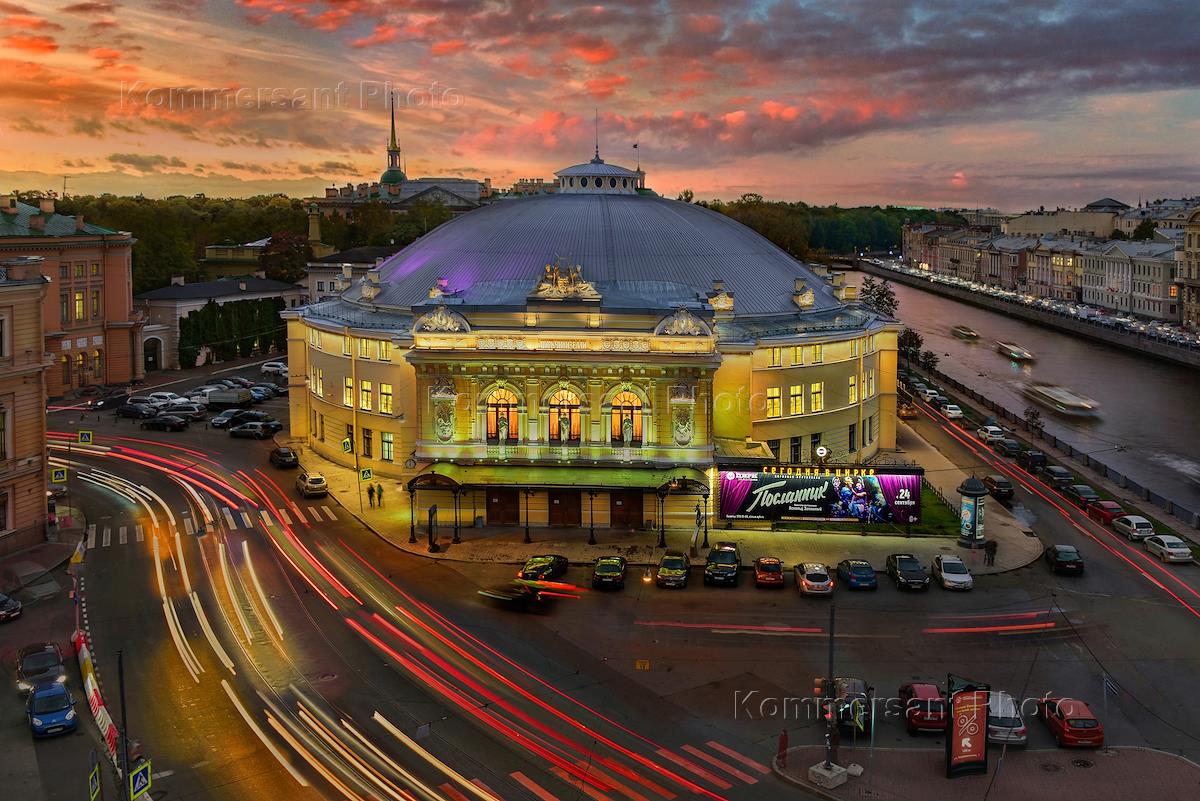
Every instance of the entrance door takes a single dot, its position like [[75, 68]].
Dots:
[[503, 507], [565, 507], [625, 509]]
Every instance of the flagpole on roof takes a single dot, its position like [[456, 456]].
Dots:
[[639, 156]]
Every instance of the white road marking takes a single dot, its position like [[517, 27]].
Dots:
[[162, 774], [299, 514], [315, 514], [329, 513], [266, 518], [123, 535], [249, 523], [228, 516], [107, 540], [139, 533], [283, 515], [213, 642], [190, 526], [91, 536]]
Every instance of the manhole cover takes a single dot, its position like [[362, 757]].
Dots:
[[1081, 763], [1050, 767]]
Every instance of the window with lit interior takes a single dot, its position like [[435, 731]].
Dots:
[[564, 417], [502, 414], [627, 415]]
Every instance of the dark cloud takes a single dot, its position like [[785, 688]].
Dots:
[[77, 163], [89, 7], [88, 126], [26, 125], [145, 162], [329, 167]]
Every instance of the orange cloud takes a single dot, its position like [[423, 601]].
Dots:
[[522, 64], [734, 118], [959, 179], [778, 111], [29, 22], [382, 34], [603, 86], [31, 43], [592, 49], [448, 47]]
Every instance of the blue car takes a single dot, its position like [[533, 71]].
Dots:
[[857, 574], [259, 395], [51, 710]]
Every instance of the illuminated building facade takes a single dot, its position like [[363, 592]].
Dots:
[[587, 357]]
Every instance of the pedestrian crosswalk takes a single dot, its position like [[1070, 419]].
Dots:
[[107, 536]]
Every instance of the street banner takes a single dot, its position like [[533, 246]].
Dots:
[[966, 740], [800, 493]]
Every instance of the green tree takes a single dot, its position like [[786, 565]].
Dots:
[[868, 290], [1144, 230], [909, 344], [686, 196], [886, 301], [285, 257], [929, 361], [1033, 419], [1118, 234]]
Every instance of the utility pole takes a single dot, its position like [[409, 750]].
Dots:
[[829, 694], [124, 720]]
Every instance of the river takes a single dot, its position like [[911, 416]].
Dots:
[[1149, 424]]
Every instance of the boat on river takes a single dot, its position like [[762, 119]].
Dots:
[[963, 332], [1060, 399], [1015, 351]]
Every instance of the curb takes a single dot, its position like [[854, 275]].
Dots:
[[820, 792]]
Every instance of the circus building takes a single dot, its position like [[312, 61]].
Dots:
[[591, 357]]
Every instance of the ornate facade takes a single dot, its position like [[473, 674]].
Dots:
[[587, 358]]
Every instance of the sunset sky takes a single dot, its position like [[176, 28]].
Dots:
[[1008, 104]]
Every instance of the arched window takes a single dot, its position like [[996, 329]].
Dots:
[[502, 415], [612, 182], [583, 181], [627, 417], [97, 364], [624, 183], [80, 361], [570, 181], [65, 362], [564, 416]]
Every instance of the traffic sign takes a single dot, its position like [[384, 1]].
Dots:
[[58, 475], [139, 781], [84, 437], [366, 474], [347, 445], [94, 783]]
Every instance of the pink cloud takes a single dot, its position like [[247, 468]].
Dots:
[[382, 34], [778, 111], [31, 43], [593, 50], [703, 24], [29, 23], [959, 179], [448, 47], [734, 118], [603, 86]]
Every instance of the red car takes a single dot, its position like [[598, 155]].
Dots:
[[768, 572], [1104, 511], [924, 707], [1071, 722]]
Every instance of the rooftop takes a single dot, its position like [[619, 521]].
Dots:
[[18, 222], [221, 288]]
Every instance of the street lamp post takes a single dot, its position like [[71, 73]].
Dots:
[[705, 505], [662, 524], [412, 515], [433, 546]]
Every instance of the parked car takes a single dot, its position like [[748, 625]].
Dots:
[[110, 401], [187, 410], [40, 663], [999, 486], [10, 608], [230, 398], [1168, 548], [161, 399], [543, 567], [928, 393], [272, 390], [1104, 511], [250, 431], [144, 400], [1033, 461], [924, 707], [272, 368], [238, 381], [312, 485], [258, 395], [990, 434], [50, 710], [1070, 722], [907, 412], [165, 422], [235, 417], [609, 571], [857, 574], [136, 411], [1057, 477], [673, 569], [851, 702], [768, 572], [952, 411], [952, 573], [906, 570], [1005, 726], [813, 578], [1080, 495], [1007, 447], [1063, 559], [284, 458], [723, 564], [1134, 527]]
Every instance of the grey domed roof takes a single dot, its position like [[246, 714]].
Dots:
[[615, 238], [595, 167]]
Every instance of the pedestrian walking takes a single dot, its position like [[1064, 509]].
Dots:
[[379, 495], [371, 494], [989, 551]]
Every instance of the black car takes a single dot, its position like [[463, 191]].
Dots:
[[723, 565], [39, 663], [1081, 495], [1007, 447], [1064, 559], [999, 486], [906, 570], [673, 570], [1057, 477], [10, 608], [609, 571], [136, 411], [165, 422], [851, 702], [544, 567], [284, 457], [235, 417], [223, 420], [1032, 461], [187, 410], [515, 595], [110, 401]]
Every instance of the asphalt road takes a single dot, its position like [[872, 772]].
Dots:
[[630, 694]]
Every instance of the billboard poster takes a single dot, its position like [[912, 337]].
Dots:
[[966, 741], [804, 493]]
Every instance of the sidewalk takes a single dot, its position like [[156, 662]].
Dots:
[[908, 774], [27, 573], [506, 546]]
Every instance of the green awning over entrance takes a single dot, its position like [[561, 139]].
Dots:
[[558, 476]]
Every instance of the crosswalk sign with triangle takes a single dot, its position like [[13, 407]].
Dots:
[[139, 781], [366, 474], [84, 437], [58, 475]]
